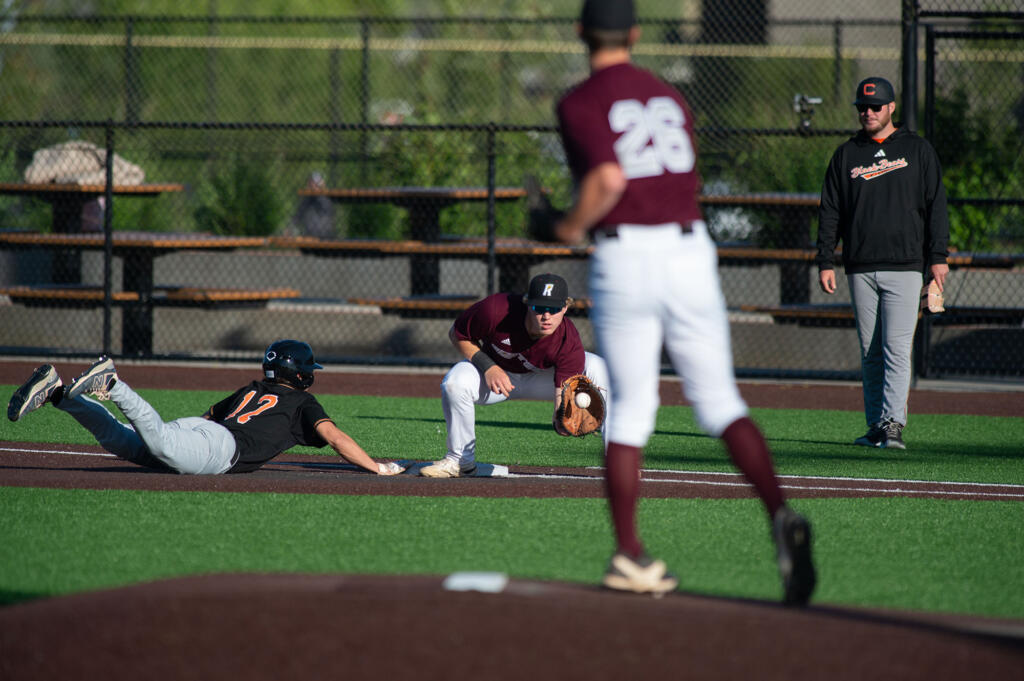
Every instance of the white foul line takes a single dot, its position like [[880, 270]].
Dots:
[[57, 451], [713, 483], [828, 477], [880, 490], [883, 489]]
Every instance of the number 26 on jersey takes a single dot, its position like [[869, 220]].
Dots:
[[654, 140]]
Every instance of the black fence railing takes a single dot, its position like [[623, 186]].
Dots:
[[203, 282]]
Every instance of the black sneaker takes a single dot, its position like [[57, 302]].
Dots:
[[893, 435], [792, 535], [875, 437]]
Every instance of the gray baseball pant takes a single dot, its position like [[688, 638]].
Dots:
[[190, 445], [886, 306]]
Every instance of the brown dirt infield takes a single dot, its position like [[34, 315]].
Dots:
[[363, 626]]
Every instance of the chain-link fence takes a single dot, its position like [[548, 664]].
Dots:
[[361, 177]]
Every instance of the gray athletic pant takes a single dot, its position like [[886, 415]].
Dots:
[[886, 305], [191, 445]]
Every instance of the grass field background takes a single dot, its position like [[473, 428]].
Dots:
[[897, 553]]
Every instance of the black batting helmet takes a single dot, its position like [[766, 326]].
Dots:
[[291, 362]]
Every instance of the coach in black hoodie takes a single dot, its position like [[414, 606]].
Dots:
[[883, 199]]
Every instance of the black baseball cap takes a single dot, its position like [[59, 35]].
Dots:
[[609, 15], [874, 91], [549, 290]]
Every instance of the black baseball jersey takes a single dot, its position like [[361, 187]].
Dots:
[[886, 203], [266, 419]]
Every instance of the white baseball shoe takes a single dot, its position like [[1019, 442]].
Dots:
[[641, 575], [447, 468]]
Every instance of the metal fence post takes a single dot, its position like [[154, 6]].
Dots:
[[334, 115], [909, 99], [491, 227], [837, 47], [929, 82], [131, 73], [364, 94], [211, 68], [108, 238]]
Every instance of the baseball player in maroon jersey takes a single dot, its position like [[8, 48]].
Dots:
[[237, 435], [515, 347], [654, 282]]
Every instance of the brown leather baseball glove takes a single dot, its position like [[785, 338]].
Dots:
[[574, 419]]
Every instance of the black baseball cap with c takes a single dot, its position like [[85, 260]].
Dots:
[[874, 91], [548, 290], [608, 15]]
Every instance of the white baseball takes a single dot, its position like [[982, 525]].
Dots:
[[582, 400]]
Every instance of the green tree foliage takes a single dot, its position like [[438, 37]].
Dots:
[[977, 155]]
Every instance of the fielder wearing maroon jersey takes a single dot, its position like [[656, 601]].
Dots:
[[237, 435], [515, 347], [630, 145]]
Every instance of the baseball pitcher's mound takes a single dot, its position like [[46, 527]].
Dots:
[[474, 625]]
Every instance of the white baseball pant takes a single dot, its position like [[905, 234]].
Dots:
[[463, 388], [655, 286]]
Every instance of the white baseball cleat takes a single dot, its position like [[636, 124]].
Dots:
[[641, 575], [447, 468]]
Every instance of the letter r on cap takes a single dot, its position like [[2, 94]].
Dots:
[[548, 289]]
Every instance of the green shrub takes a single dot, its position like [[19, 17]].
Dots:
[[20, 212], [241, 200]]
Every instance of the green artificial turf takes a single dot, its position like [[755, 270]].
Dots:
[[899, 553], [906, 554], [804, 442]]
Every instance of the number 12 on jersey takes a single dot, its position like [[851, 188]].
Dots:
[[654, 140], [264, 403]]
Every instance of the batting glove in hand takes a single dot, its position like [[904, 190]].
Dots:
[[389, 468]]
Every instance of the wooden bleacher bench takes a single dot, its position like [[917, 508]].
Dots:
[[962, 315], [727, 253], [91, 296], [194, 296], [441, 305], [461, 247], [64, 295], [841, 314], [826, 314]]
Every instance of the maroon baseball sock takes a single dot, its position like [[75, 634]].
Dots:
[[622, 481], [750, 454]]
